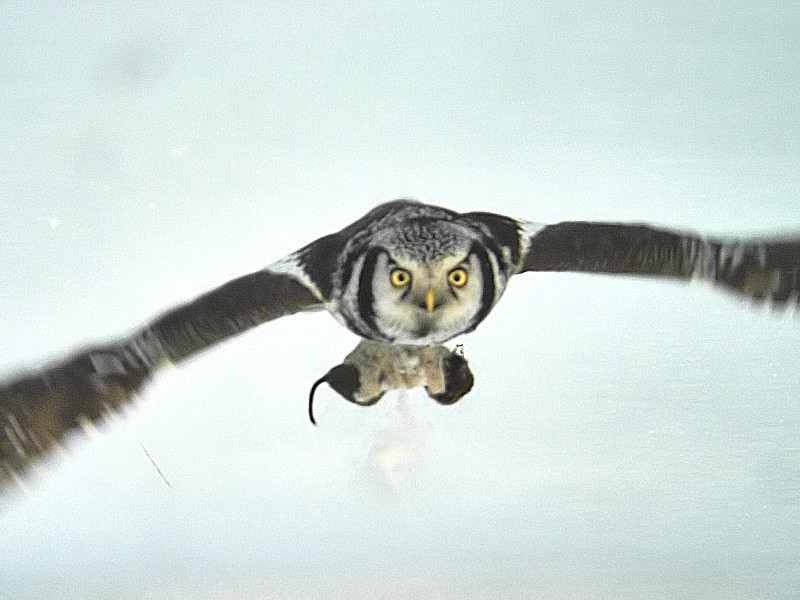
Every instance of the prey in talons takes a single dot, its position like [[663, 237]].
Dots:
[[373, 368]]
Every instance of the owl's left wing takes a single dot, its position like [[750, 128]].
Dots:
[[38, 409], [764, 269]]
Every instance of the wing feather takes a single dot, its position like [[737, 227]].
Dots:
[[230, 309], [764, 269], [40, 408]]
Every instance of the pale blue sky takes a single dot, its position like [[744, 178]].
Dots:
[[624, 439]]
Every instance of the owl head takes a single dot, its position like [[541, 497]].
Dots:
[[422, 279]]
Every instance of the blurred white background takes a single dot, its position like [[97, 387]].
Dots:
[[625, 438]]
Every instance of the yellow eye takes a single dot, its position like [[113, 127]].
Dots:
[[457, 277], [400, 278]]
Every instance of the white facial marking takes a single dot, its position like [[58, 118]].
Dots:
[[403, 314]]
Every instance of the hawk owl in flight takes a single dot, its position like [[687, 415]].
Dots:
[[406, 274]]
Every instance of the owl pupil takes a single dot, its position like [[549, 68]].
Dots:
[[457, 277], [400, 277]]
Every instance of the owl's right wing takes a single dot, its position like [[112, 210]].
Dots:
[[764, 269], [39, 408]]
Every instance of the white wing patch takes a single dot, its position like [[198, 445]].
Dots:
[[290, 265], [732, 254], [528, 229], [702, 263]]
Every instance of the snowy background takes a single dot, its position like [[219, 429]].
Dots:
[[625, 438]]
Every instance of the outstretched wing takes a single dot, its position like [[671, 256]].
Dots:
[[765, 269], [39, 408]]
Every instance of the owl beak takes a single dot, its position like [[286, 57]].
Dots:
[[430, 300]]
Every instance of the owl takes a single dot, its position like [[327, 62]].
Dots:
[[405, 274]]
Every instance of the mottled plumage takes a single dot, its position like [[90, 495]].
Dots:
[[406, 273]]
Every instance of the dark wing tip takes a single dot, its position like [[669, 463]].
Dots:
[[40, 409]]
